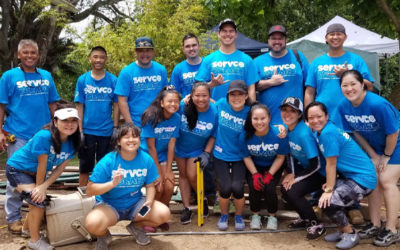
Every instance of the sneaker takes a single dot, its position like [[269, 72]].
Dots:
[[205, 208], [103, 242], [348, 241], [272, 223], [315, 230], [239, 223], [255, 223], [356, 218], [232, 208], [140, 235], [164, 226], [386, 238], [186, 216], [15, 227], [223, 222], [299, 223], [369, 231], [334, 237], [216, 208], [41, 244]]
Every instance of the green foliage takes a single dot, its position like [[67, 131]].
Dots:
[[165, 21], [65, 83], [389, 75]]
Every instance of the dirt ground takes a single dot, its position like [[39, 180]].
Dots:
[[245, 240]]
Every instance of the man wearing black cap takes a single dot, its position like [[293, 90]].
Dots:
[[322, 83], [227, 64], [140, 82], [281, 74]]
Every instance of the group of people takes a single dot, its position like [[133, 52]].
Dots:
[[242, 119]]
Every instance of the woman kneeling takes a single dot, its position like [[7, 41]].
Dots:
[[117, 180]]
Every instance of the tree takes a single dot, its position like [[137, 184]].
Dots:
[[43, 21]]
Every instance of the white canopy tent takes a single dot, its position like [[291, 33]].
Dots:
[[357, 38]]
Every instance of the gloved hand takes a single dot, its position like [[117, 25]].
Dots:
[[258, 181], [83, 145], [204, 159], [267, 178]]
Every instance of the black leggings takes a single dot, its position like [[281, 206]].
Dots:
[[269, 192], [295, 195], [230, 178]]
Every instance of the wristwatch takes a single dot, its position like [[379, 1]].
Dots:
[[328, 190]]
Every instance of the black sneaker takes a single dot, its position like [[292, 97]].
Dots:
[[205, 209], [299, 223], [315, 230], [369, 231], [186, 216], [386, 238]]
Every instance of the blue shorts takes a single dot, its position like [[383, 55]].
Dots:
[[125, 214], [16, 176]]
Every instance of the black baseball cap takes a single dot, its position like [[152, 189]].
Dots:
[[238, 85], [277, 28], [293, 102], [227, 21], [144, 42]]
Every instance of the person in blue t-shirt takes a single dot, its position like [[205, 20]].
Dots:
[[344, 158], [140, 82], [97, 106], [117, 181], [26, 169], [183, 74], [305, 172], [375, 124], [196, 139], [160, 122], [264, 156], [228, 152], [322, 82], [281, 74], [28, 95], [227, 64]]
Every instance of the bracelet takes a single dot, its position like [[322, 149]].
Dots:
[[386, 154]]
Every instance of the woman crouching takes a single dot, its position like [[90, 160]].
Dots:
[[116, 181]]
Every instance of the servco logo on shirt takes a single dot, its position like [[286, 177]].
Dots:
[[33, 87], [294, 146], [101, 90], [263, 149], [224, 64], [231, 121], [61, 156], [189, 75], [146, 79], [362, 122], [132, 177], [323, 70]]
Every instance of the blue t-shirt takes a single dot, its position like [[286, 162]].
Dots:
[[264, 149], [138, 172], [290, 69], [352, 162], [162, 133], [374, 119], [26, 158], [228, 143], [191, 143], [140, 86], [98, 97], [27, 97], [303, 146], [235, 66], [321, 77], [182, 77]]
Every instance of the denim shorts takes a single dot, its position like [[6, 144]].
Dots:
[[125, 214], [16, 176]]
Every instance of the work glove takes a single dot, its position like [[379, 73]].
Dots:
[[258, 183], [267, 178], [204, 159]]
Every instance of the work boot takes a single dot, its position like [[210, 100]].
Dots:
[[15, 227]]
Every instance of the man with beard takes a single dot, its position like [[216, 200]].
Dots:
[[183, 74], [281, 74]]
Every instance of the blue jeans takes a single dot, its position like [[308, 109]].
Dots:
[[13, 203]]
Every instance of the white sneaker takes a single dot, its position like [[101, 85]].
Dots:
[[255, 223], [41, 244], [272, 223]]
